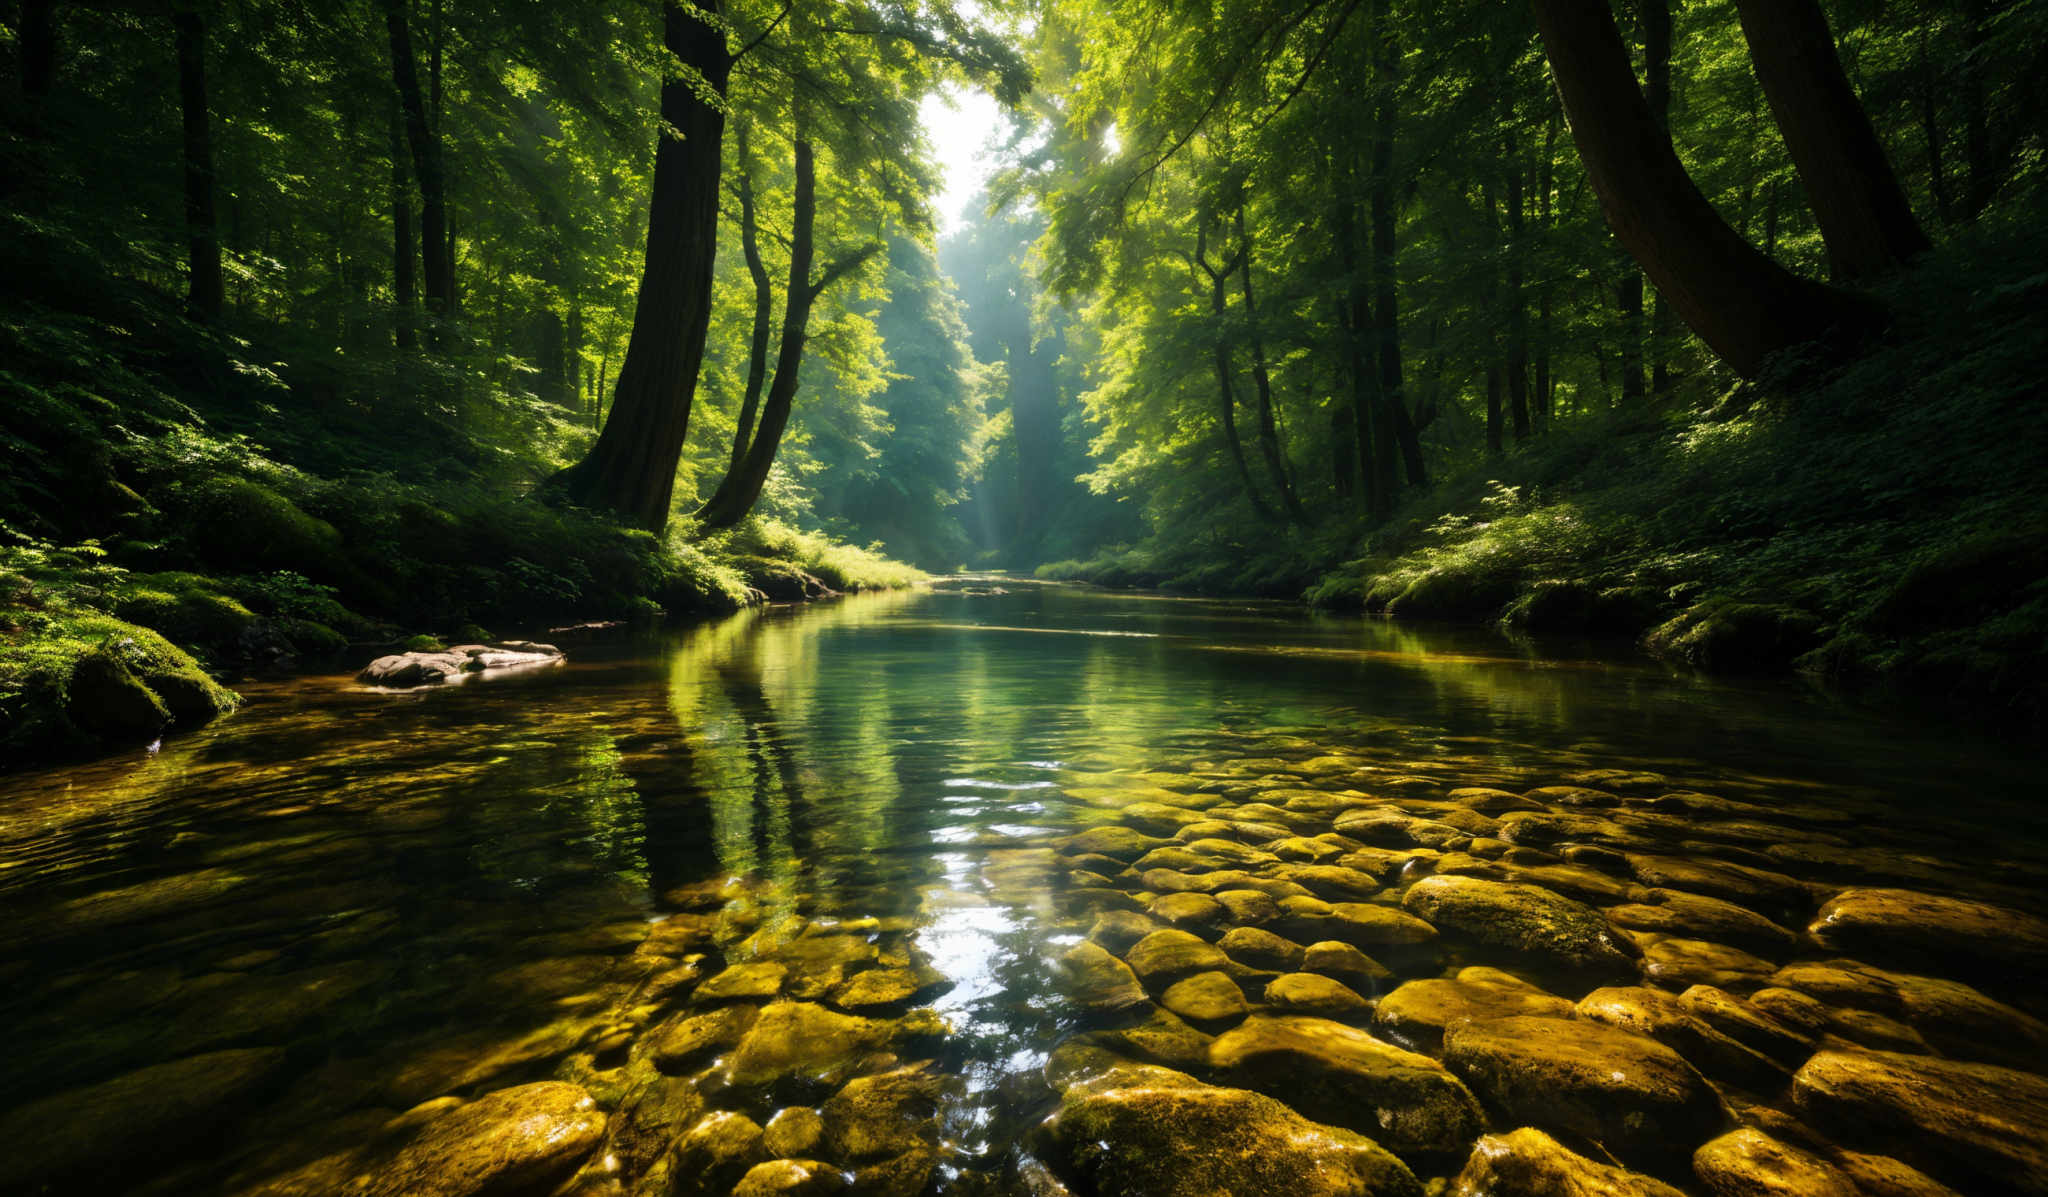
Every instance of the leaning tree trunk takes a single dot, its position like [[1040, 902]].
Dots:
[[738, 494], [1262, 382], [1856, 197], [757, 344], [632, 467], [426, 164], [205, 291], [1742, 304], [1518, 308]]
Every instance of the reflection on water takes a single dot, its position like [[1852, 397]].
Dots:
[[345, 903]]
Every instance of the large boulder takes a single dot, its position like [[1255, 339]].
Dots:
[[1976, 1125], [1636, 1096], [1525, 919], [1529, 1163], [1342, 1075], [1140, 1131]]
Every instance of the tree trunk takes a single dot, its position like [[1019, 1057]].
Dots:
[[1656, 17], [757, 344], [1262, 383], [1930, 132], [1981, 174], [1375, 444], [1385, 254], [37, 43], [404, 287], [1493, 437], [802, 293], [1546, 176], [1862, 210], [1743, 305], [426, 163], [1518, 311], [632, 467], [204, 291], [1226, 392]]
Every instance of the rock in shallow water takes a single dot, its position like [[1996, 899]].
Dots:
[[1209, 997], [519, 1140], [1342, 1075], [430, 668], [1096, 980], [1311, 993], [1749, 1163], [1976, 1125], [1527, 919], [1630, 1092], [1529, 1163], [1151, 1132], [1164, 957], [1418, 1012], [155, 1115], [1904, 926]]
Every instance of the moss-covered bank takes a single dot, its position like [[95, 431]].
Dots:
[[180, 505], [1880, 522]]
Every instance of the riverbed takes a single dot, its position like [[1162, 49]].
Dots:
[[999, 888]]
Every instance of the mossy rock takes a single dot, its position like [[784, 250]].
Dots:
[[1574, 607], [310, 638], [1964, 584], [1731, 636], [187, 608], [1453, 594], [93, 680], [239, 522]]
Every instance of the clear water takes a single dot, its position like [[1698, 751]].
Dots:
[[424, 893]]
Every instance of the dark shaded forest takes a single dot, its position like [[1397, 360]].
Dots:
[[342, 327]]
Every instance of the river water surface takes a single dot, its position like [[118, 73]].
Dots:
[[727, 875]]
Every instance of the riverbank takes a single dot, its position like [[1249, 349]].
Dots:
[[1883, 524], [180, 506]]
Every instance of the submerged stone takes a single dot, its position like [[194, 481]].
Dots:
[[157, 1114], [793, 1132], [1694, 916], [1097, 980], [716, 1154], [1527, 919], [1164, 957], [1746, 1162], [1529, 1163], [1628, 1091], [685, 1041], [1683, 963], [1190, 911], [1209, 997], [1888, 925], [1152, 1132], [804, 1039], [792, 1178], [1312, 993], [1347, 964], [1117, 930], [1974, 1125], [1260, 949], [1341, 1074], [884, 1115], [744, 982], [1418, 1012]]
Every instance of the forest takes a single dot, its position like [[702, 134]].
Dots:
[[1706, 325]]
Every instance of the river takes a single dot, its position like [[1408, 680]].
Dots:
[[673, 891]]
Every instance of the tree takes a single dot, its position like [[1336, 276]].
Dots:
[[736, 495], [1742, 304], [425, 142], [1863, 213], [632, 467], [204, 293]]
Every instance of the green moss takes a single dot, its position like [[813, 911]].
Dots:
[[239, 523], [424, 643], [311, 638], [69, 681], [1732, 636], [187, 608]]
